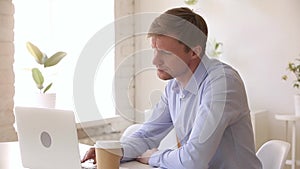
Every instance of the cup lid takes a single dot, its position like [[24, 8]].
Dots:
[[108, 144]]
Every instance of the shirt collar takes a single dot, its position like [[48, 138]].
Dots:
[[196, 79]]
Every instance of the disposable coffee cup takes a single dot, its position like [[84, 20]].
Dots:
[[108, 154]]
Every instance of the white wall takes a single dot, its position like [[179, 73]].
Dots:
[[260, 38], [148, 87]]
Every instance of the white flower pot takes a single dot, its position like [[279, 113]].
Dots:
[[297, 104], [45, 100]]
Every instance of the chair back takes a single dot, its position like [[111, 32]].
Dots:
[[273, 154]]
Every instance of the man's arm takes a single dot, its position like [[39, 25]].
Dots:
[[151, 132]]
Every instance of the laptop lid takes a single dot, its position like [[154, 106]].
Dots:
[[47, 138]]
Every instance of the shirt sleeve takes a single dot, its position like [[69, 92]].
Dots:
[[150, 134], [220, 106]]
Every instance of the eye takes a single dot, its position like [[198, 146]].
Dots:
[[162, 52]]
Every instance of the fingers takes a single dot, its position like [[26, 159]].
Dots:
[[89, 155], [144, 158]]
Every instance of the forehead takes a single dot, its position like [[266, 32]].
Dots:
[[165, 43]]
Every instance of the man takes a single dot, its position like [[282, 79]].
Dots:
[[205, 101]]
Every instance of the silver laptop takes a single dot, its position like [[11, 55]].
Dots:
[[48, 138]]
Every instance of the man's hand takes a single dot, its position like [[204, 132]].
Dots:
[[144, 158], [90, 154]]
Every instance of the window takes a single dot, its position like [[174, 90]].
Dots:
[[62, 25]]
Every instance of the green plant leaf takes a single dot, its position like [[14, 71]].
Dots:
[[54, 59], [38, 78], [190, 2], [47, 88], [35, 52], [218, 44], [284, 77]]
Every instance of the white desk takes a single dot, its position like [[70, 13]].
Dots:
[[10, 158], [293, 119]]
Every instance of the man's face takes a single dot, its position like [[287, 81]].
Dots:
[[170, 57]]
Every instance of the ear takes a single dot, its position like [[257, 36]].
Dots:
[[196, 51]]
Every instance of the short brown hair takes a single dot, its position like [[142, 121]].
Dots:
[[182, 24]]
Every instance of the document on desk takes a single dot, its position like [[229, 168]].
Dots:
[[135, 165]]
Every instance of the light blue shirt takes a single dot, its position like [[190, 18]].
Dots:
[[211, 118]]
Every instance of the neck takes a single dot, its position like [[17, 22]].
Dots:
[[184, 79]]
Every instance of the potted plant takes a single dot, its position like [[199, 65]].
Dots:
[[44, 61], [214, 48], [294, 68]]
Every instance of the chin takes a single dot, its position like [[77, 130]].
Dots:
[[164, 76]]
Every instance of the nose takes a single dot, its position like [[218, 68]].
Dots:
[[156, 58]]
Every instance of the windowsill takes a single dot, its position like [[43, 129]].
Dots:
[[95, 123], [104, 129]]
